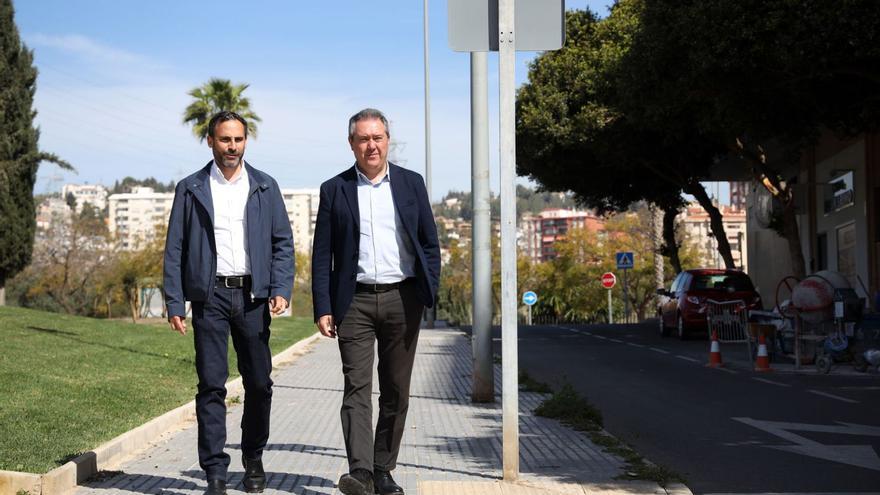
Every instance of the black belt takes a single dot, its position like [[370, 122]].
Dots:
[[233, 282], [377, 288]]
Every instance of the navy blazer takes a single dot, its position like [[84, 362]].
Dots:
[[337, 236], [191, 250]]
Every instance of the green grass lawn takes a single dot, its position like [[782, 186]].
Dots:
[[69, 384]]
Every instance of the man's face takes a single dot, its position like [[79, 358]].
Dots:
[[228, 143], [370, 145]]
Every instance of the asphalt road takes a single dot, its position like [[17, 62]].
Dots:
[[728, 430]]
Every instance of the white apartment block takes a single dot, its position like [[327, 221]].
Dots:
[[302, 210], [95, 194], [134, 216], [698, 228]]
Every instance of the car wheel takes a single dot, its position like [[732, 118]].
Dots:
[[680, 329], [664, 330]]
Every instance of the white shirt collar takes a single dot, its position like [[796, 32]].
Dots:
[[218, 175], [363, 178]]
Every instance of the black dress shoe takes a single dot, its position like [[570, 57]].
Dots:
[[216, 487], [385, 484], [358, 482], [254, 480]]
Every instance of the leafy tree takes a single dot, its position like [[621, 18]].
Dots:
[[67, 263], [761, 79], [20, 156], [214, 96], [573, 135]]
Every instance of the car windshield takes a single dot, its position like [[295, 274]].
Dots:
[[723, 281]]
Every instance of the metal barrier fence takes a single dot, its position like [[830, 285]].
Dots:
[[729, 320]]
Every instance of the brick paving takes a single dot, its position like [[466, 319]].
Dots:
[[447, 439]]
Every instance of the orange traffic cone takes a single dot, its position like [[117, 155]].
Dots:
[[715, 352], [762, 363]]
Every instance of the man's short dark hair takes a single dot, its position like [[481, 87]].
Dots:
[[367, 114], [224, 116]]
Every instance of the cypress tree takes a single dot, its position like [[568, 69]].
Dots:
[[19, 149]]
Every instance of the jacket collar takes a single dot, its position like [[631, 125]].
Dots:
[[199, 184]]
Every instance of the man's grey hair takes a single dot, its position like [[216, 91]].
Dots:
[[367, 114]]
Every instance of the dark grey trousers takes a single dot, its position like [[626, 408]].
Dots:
[[392, 319]]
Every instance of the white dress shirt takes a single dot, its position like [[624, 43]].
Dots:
[[386, 254], [230, 221]]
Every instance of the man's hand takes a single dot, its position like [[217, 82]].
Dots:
[[178, 324], [277, 305], [326, 326]]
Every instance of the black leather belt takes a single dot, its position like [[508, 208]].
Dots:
[[234, 282], [377, 288]]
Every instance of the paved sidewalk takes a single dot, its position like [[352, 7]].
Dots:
[[448, 439]]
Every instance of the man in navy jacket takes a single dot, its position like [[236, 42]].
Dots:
[[375, 267], [229, 251]]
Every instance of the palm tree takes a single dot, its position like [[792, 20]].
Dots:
[[214, 96]]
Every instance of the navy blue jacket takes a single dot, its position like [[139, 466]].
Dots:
[[191, 251], [337, 237]]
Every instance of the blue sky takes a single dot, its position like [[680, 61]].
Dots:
[[114, 77]]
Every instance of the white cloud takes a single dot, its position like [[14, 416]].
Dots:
[[94, 54]]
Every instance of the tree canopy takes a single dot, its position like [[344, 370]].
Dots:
[[640, 105], [20, 156]]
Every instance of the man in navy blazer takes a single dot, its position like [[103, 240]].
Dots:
[[375, 267], [229, 251]]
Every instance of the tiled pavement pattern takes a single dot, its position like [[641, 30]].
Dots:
[[447, 439]]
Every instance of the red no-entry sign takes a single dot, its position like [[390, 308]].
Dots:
[[608, 280]]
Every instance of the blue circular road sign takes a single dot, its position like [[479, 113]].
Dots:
[[529, 298]]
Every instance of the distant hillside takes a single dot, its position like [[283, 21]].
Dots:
[[457, 204]]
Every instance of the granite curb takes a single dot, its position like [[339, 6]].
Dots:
[[65, 478], [529, 487]]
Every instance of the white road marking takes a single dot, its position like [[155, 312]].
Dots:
[[832, 396], [686, 358], [727, 371], [600, 337], [855, 455], [800, 493], [616, 341], [771, 382], [635, 345], [860, 388], [661, 351]]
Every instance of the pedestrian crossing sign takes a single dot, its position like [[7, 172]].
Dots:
[[624, 260]]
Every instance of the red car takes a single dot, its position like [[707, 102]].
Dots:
[[683, 306]]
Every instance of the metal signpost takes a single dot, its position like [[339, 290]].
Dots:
[[608, 281], [473, 27], [529, 299], [625, 261]]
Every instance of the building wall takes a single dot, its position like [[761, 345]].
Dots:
[[86, 193], [133, 217], [820, 226], [850, 221], [302, 212], [769, 259]]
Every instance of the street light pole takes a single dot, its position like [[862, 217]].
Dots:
[[483, 388], [430, 312], [509, 357]]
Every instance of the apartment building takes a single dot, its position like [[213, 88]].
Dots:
[[698, 228], [538, 233], [302, 210], [135, 216], [94, 194]]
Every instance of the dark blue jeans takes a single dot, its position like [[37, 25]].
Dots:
[[231, 311]]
